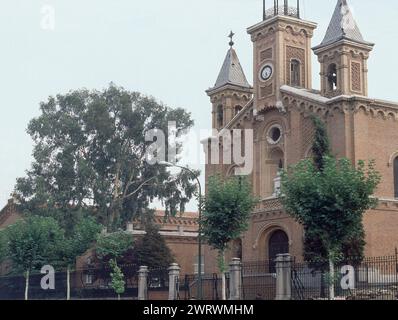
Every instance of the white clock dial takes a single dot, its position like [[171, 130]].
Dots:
[[266, 72]]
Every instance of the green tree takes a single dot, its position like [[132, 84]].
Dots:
[[83, 237], [152, 250], [113, 246], [117, 279], [3, 246], [90, 154], [314, 252], [330, 203], [226, 213], [33, 243], [321, 145]]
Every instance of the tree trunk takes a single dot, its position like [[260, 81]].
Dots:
[[68, 283], [221, 263], [27, 285], [223, 287], [118, 296], [331, 280]]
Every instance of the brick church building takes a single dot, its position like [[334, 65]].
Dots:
[[277, 107]]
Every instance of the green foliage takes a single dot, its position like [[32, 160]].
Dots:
[[321, 145], [90, 152], [83, 236], [330, 204], [152, 250], [34, 242], [226, 212], [113, 245], [3, 246], [117, 278]]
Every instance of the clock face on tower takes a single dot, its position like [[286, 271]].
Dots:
[[266, 72]]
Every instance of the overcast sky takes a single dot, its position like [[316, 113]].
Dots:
[[170, 49]]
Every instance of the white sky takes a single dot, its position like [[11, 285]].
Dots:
[[171, 49]]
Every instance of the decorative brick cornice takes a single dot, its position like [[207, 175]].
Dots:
[[271, 205], [280, 23], [271, 208], [176, 221], [313, 102], [229, 90]]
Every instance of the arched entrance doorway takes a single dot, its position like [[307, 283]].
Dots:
[[278, 243]]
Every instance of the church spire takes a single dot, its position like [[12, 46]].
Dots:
[[231, 72], [343, 55], [231, 92], [342, 26]]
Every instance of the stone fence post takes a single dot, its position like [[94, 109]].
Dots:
[[174, 281], [283, 277], [235, 279], [143, 283]]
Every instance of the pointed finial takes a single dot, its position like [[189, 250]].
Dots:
[[231, 36]]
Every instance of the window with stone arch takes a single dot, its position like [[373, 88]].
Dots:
[[220, 116], [295, 73], [396, 177], [237, 110], [332, 77]]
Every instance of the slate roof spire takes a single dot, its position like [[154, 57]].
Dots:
[[342, 26], [231, 72]]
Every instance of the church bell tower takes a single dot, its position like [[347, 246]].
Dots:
[[343, 55], [282, 53], [231, 91]]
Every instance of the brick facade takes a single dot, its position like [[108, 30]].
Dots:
[[360, 128]]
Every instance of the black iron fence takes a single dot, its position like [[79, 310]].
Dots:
[[258, 280], [88, 283], [158, 284], [211, 287], [356, 279], [308, 283]]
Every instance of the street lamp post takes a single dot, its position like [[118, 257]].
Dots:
[[169, 164]]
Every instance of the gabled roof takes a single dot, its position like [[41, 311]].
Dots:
[[342, 26], [231, 72]]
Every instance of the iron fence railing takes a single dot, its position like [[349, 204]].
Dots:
[[211, 287], [374, 278], [87, 283], [371, 279], [258, 280]]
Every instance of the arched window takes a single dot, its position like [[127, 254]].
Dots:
[[220, 116], [295, 73], [278, 244], [332, 77], [396, 177], [238, 109]]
